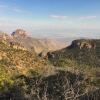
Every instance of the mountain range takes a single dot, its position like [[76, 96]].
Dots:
[[33, 44]]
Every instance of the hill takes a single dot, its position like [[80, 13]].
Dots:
[[82, 51]]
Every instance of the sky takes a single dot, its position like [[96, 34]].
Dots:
[[52, 18]]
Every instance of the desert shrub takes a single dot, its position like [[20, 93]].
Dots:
[[5, 81], [60, 86]]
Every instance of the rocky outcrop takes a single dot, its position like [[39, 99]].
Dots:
[[83, 43], [43, 54], [19, 33], [47, 55]]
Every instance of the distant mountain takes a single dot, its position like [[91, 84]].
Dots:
[[82, 51], [19, 33], [39, 45], [52, 44]]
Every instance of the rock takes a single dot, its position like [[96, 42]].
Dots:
[[43, 54], [50, 55], [19, 33], [83, 43], [47, 55]]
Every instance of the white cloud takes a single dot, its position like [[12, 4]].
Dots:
[[18, 10], [88, 17], [3, 6], [58, 16], [65, 17]]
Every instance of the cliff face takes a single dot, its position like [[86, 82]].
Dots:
[[84, 44], [91, 46]]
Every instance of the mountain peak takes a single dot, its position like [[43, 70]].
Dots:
[[19, 33]]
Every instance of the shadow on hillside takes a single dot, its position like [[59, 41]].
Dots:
[[61, 86]]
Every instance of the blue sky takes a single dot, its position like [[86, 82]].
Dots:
[[52, 18]]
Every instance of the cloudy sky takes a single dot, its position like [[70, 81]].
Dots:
[[52, 18]]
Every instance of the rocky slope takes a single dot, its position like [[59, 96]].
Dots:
[[18, 59]]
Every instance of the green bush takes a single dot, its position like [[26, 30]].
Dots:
[[5, 80]]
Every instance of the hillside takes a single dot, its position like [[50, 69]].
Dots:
[[25, 76], [18, 59], [52, 44], [82, 51]]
